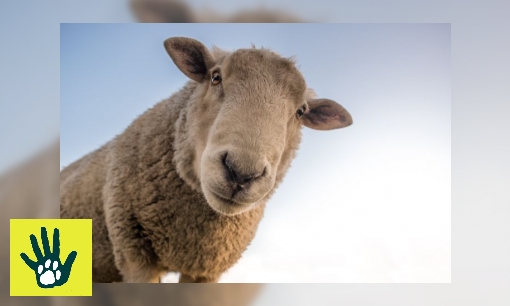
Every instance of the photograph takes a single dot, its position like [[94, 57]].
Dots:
[[295, 152], [259, 153]]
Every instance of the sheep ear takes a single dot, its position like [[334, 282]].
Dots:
[[190, 56], [162, 11], [325, 114]]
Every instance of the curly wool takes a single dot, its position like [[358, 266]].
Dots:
[[147, 207]]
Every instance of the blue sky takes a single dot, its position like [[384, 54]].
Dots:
[[107, 66], [379, 189]]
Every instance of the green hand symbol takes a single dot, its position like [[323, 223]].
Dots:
[[49, 271]]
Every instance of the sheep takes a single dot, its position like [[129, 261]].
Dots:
[[178, 11], [29, 190], [184, 295], [184, 187]]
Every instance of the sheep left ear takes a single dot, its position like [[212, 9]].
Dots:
[[190, 56], [325, 114]]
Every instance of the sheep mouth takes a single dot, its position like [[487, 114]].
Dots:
[[226, 200]]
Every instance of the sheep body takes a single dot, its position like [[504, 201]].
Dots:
[[133, 181], [163, 196]]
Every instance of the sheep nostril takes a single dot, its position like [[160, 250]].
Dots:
[[236, 177], [247, 179], [230, 169]]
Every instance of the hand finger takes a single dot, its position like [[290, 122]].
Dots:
[[70, 259], [35, 247], [56, 243], [28, 261], [45, 242]]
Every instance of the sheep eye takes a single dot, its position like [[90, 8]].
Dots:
[[216, 78], [300, 112]]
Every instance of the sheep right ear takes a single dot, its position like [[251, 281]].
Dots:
[[162, 11], [326, 114], [190, 56]]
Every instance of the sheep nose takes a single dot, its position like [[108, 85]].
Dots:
[[234, 175]]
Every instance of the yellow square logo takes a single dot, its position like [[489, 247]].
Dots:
[[51, 257]]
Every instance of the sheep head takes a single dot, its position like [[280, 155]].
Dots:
[[243, 123]]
